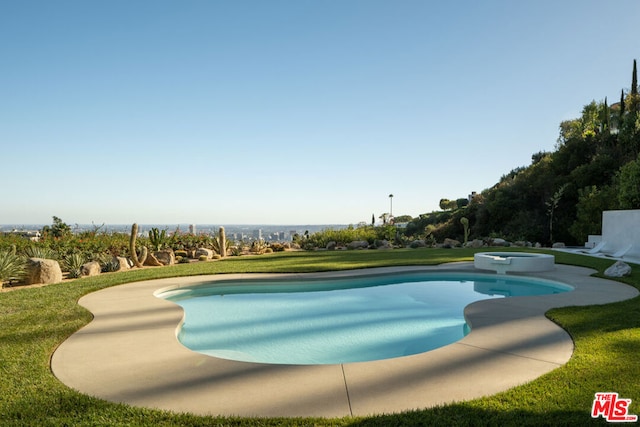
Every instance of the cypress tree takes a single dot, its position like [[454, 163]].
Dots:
[[606, 115], [634, 79], [633, 100]]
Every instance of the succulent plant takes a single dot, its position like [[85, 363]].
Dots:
[[137, 261], [222, 242]]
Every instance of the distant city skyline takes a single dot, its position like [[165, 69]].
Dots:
[[291, 111]]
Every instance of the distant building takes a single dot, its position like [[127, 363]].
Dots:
[[192, 229], [32, 235]]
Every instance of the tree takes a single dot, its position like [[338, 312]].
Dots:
[[462, 202], [552, 204], [402, 218], [628, 185], [634, 102], [592, 201], [59, 229], [605, 117]]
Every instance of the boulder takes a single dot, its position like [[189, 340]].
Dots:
[[383, 244], [499, 242], [418, 244], [450, 243], [165, 256], [91, 269], [331, 246], [522, 244], [558, 245], [619, 269], [123, 263], [40, 270], [152, 261], [203, 251], [476, 243], [358, 244]]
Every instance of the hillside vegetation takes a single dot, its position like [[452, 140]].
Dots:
[[560, 196]]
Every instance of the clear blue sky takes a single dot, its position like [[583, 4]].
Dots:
[[288, 112]]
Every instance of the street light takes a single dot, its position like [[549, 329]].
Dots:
[[391, 205]]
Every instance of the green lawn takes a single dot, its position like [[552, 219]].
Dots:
[[35, 321]]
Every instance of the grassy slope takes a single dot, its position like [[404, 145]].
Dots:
[[35, 321]]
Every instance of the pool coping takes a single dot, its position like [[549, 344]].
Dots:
[[129, 354]]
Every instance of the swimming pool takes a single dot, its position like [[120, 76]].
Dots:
[[343, 320]]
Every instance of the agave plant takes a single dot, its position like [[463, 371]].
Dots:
[[73, 264], [215, 245], [34, 251], [12, 266]]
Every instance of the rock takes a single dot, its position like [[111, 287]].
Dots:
[[522, 244], [123, 263], [165, 256], [358, 244], [152, 261], [383, 244], [476, 243], [499, 242], [40, 270], [203, 251], [331, 246], [450, 243], [418, 244], [91, 269], [619, 269], [558, 245]]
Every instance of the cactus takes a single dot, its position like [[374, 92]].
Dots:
[[223, 242], [158, 238], [138, 262], [465, 224]]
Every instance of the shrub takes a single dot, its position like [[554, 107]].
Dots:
[[110, 265], [12, 266], [277, 247], [202, 258], [181, 253], [45, 252], [73, 265]]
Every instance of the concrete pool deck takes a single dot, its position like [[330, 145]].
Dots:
[[129, 353]]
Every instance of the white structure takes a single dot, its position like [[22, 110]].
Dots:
[[192, 229], [502, 262], [620, 235]]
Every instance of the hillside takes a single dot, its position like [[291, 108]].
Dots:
[[560, 196]]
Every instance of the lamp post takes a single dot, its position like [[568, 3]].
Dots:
[[390, 206]]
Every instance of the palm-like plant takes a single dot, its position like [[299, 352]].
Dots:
[[45, 252], [12, 266], [73, 264]]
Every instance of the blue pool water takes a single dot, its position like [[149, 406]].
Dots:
[[337, 320]]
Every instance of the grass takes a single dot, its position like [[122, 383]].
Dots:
[[36, 320]]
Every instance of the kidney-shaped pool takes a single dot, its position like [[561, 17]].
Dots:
[[330, 321]]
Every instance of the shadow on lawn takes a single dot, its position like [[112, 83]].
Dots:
[[466, 415]]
